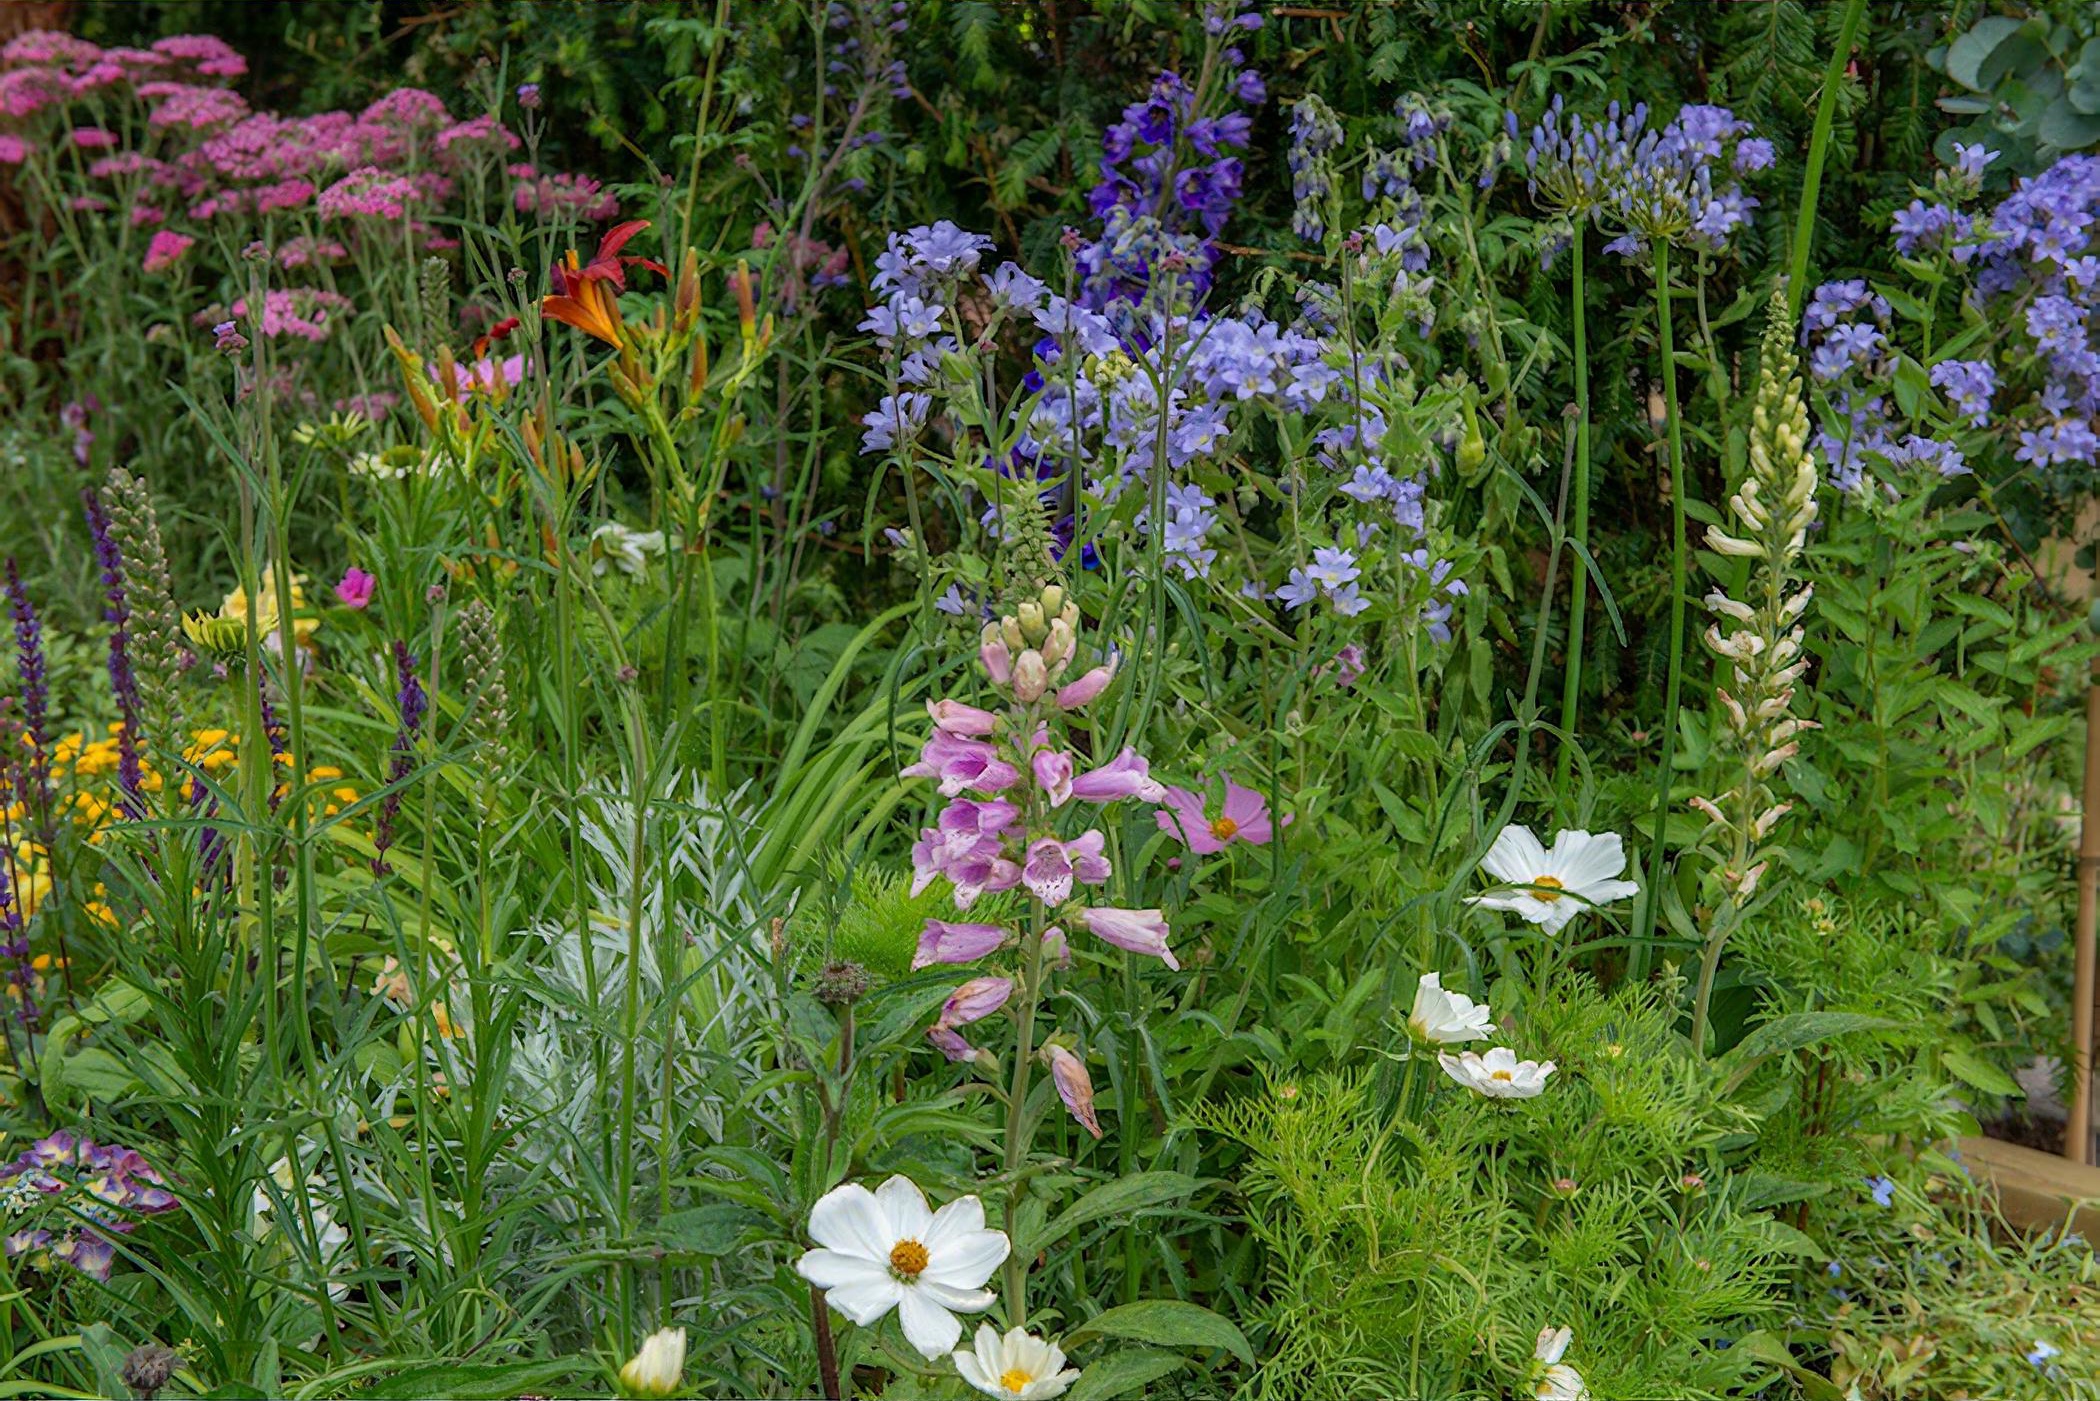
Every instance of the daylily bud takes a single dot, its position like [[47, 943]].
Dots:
[[685, 300], [1031, 677], [1073, 1086]]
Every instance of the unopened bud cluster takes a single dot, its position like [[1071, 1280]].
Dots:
[[1758, 637]]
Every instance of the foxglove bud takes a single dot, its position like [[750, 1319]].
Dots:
[[1031, 677], [1053, 599], [1058, 645], [1086, 688], [998, 661], [1030, 618], [1073, 1086], [1010, 629]]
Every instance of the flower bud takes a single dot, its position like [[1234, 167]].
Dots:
[[1086, 688], [659, 1368], [1030, 618], [1053, 599], [1074, 1086], [1058, 645], [1010, 629], [998, 661], [1031, 676]]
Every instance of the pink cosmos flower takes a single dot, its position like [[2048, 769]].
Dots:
[[1053, 774], [355, 590], [1244, 819], [1074, 1086], [1125, 776], [165, 250], [1139, 931], [1054, 865], [945, 941]]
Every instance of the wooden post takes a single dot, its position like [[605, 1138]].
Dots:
[[2078, 1130]]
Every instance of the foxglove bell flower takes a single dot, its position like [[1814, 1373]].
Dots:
[[1444, 1017], [962, 764], [1017, 1367], [1137, 931], [1498, 1074], [945, 941], [1127, 775], [1053, 774], [973, 1001], [1579, 871], [964, 721], [885, 1250], [1053, 866]]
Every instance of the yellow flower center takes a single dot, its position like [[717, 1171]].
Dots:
[[1224, 829], [908, 1259], [1551, 887], [1015, 1380], [1501, 1075]]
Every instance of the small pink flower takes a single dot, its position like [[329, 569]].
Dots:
[[998, 660], [1086, 688], [943, 942], [93, 138], [959, 719], [1074, 1086], [1348, 666], [1245, 819], [1054, 865], [166, 249], [1053, 774], [1125, 776], [355, 591], [1139, 931], [13, 149], [973, 1001], [962, 763]]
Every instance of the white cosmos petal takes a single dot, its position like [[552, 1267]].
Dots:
[[966, 1261], [1581, 860], [848, 1219], [927, 1326], [833, 1269], [961, 1217], [977, 1366], [1516, 855], [866, 1299], [948, 1296], [904, 1206]]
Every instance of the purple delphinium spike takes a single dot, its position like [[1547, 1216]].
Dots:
[[14, 948], [413, 704], [123, 680], [35, 697]]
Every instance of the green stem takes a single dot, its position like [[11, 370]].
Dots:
[[1017, 1121], [1571, 682], [1818, 148], [1677, 591]]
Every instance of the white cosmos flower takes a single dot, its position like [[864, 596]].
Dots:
[[1016, 1366], [885, 1249], [626, 550], [1557, 1381], [1580, 870], [659, 1367], [1498, 1074], [1445, 1017]]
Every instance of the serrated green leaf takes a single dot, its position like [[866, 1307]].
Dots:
[[1169, 1323]]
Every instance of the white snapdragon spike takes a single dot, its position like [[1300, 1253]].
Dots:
[[1017, 1366], [1447, 1017], [659, 1368], [1581, 869], [1498, 1073], [1557, 1381], [886, 1249]]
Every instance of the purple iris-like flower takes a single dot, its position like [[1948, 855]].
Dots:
[[412, 704], [123, 679]]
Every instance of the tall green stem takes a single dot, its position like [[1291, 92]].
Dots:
[[1571, 682], [1677, 590], [1818, 148], [1017, 1125]]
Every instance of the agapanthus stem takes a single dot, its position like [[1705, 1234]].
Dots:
[[1571, 682], [1678, 552]]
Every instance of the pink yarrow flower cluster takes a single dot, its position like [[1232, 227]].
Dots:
[[1012, 784]]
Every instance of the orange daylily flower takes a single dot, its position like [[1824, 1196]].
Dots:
[[587, 295]]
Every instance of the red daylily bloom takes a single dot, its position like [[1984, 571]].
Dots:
[[586, 295]]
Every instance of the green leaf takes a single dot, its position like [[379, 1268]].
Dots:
[[1169, 1323], [2066, 128], [472, 1381], [1790, 1033], [1120, 1373], [1121, 1197], [1979, 1073], [1966, 56], [1771, 1350]]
